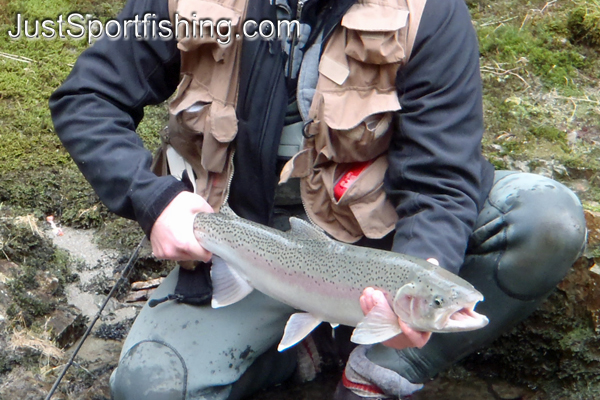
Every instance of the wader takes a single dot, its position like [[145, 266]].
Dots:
[[527, 236]]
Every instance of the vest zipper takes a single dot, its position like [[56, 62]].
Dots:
[[299, 8], [294, 43], [230, 177], [307, 214]]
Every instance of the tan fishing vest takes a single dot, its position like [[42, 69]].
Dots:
[[351, 112]]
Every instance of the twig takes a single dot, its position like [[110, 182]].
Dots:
[[16, 57], [548, 4], [574, 109], [498, 22], [574, 99], [500, 72], [524, 20]]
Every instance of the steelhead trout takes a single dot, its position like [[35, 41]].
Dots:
[[309, 271]]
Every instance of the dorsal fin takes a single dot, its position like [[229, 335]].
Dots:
[[307, 230], [226, 210]]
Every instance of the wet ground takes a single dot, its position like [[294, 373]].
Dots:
[[88, 377], [457, 385]]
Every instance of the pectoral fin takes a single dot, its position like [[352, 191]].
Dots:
[[379, 325], [297, 328], [228, 286]]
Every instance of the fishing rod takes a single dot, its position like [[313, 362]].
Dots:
[[124, 275]]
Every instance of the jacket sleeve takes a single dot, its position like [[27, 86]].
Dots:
[[437, 177], [97, 109]]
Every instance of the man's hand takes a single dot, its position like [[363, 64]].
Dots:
[[172, 235], [408, 338]]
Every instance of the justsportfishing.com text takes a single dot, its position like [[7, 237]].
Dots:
[[147, 27]]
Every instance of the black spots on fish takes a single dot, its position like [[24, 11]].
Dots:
[[244, 354]]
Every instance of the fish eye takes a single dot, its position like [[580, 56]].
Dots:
[[438, 301]]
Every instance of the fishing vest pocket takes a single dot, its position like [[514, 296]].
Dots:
[[203, 121], [352, 113], [362, 210], [376, 32], [191, 144], [207, 117]]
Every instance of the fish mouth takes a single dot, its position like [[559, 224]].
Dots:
[[465, 319]]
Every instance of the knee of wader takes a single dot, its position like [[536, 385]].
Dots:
[[545, 234], [151, 371]]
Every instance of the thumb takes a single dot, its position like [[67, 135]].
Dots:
[[197, 203]]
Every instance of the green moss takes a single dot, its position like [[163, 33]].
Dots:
[[584, 23], [553, 61], [36, 171], [549, 133]]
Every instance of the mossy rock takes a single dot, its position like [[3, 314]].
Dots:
[[557, 349], [39, 261]]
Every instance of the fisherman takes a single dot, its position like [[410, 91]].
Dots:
[[369, 114]]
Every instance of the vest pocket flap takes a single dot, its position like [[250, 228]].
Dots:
[[376, 33], [345, 110], [373, 17], [188, 93], [375, 215], [334, 70], [198, 20], [297, 167], [223, 122]]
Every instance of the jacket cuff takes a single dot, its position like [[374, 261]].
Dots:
[[154, 207]]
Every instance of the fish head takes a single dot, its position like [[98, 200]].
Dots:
[[437, 304]]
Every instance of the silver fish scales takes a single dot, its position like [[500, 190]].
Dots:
[[309, 271]]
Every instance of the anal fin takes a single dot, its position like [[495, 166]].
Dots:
[[297, 328]]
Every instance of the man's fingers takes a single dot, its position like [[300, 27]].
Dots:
[[417, 338], [366, 300], [189, 251], [197, 252], [409, 337]]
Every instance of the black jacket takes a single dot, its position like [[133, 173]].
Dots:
[[437, 177]]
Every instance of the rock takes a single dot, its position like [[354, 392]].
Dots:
[[522, 166], [579, 186], [548, 168], [152, 283], [99, 354], [67, 325], [592, 220], [556, 349], [48, 282], [24, 385], [8, 270], [100, 358], [138, 295]]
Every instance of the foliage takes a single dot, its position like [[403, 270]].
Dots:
[[36, 173], [584, 23], [541, 98]]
